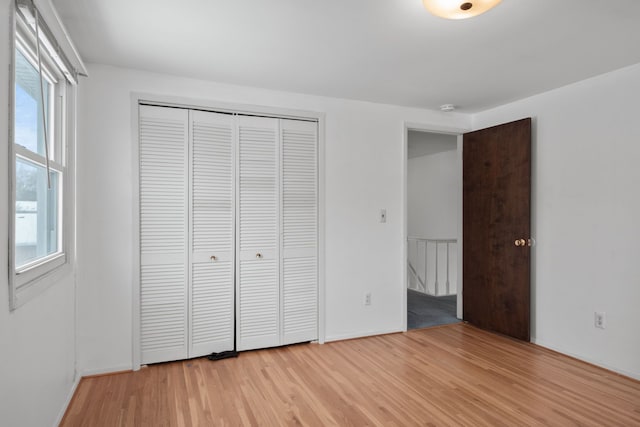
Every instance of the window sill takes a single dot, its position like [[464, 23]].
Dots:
[[28, 289]]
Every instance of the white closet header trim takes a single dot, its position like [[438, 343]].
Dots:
[[230, 111]]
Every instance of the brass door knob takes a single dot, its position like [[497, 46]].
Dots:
[[520, 242]]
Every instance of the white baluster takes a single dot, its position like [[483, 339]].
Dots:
[[435, 290], [426, 260], [448, 291]]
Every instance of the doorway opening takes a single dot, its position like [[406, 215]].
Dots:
[[433, 214]]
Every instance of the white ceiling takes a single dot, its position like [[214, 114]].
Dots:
[[427, 143], [388, 51]]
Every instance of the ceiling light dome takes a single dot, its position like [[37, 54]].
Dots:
[[459, 9]]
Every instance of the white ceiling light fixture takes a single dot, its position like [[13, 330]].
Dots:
[[458, 9]]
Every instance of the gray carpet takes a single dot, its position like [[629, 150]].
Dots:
[[425, 310]]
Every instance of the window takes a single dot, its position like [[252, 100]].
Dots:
[[40, 180]]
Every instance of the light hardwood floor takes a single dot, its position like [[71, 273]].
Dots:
[[451, 375]]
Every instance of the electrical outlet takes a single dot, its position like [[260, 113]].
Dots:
[[367, 298], [600, 319]]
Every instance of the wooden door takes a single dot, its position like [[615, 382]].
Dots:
[[496, 228]]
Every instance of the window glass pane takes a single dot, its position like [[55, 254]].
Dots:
[[36, 212], [28, 113]]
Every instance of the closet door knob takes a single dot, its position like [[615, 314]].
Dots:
[[258, 255], [214, 258]]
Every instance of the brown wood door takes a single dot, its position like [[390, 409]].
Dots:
[[496, 188]]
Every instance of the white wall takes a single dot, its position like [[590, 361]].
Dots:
[[37, 341], [433, 193], [584, 210], [433, 189], [586, 216], [364, 161]]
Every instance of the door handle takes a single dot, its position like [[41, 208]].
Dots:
[[523, 242]]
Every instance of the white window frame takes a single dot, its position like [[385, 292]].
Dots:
[[33, 278]]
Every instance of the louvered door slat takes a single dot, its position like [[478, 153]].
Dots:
[[259, 304], [299, 231], [163, 233], [212, 220], [258, 291], [211, 308]]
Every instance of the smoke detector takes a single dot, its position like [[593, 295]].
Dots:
[[447, 108]]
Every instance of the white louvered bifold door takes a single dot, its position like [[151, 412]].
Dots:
[[299, 231], [211, 319], [163, 233], [258, 290]]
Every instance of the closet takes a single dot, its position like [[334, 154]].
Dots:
[[228, 232]]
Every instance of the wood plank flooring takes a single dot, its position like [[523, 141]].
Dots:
[[450, 375]]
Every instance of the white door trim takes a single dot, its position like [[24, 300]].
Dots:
[[218, 106]]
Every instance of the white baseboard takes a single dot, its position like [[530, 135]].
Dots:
[[105, 371], [67, 401], [599, 363], [352, 335], [74, 386]]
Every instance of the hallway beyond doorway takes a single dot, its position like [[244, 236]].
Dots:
[[424, 311]]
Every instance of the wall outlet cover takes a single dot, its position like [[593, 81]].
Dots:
[[600, 319]]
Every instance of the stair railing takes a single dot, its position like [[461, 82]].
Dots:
[[422, 282]]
